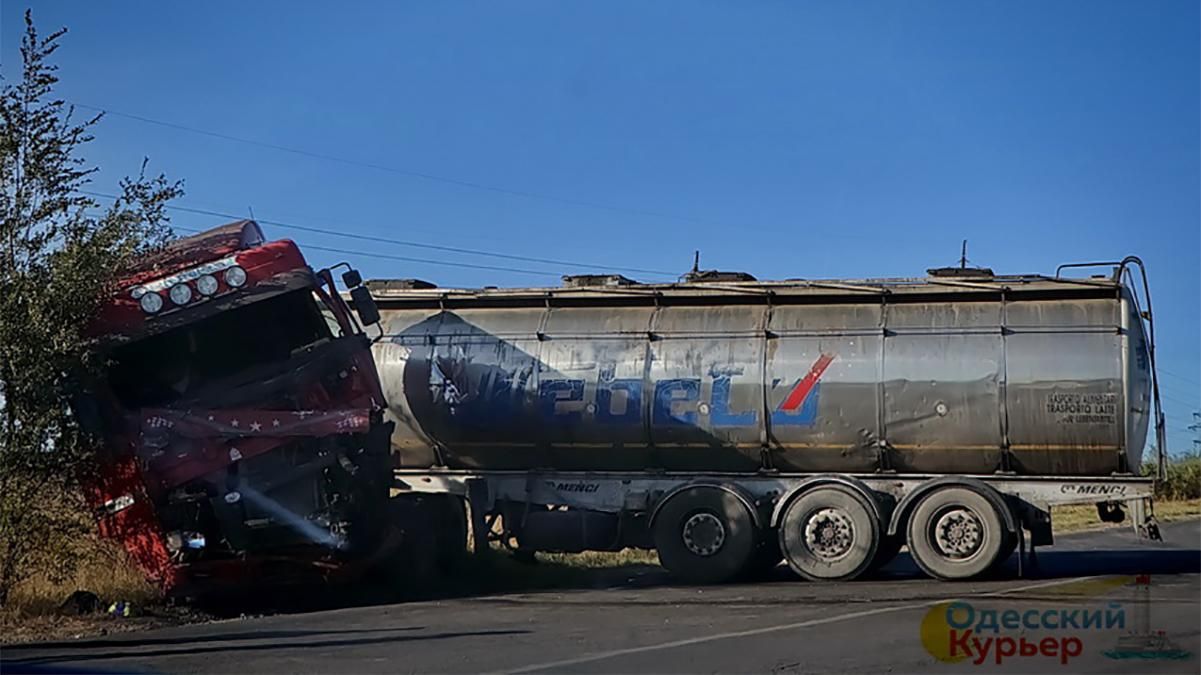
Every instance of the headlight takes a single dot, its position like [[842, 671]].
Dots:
[[181, 294], [207, 284], [235, 276], [151, 302]]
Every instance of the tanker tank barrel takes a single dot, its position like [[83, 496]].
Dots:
[[971, 372]]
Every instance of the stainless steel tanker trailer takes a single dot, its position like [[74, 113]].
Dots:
[[727, 422]]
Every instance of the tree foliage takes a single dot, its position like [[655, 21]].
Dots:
[[58, 252]]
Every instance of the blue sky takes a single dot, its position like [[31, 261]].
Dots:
[[814, 139]]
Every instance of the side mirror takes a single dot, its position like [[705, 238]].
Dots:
[[364, 304], [351, 278]]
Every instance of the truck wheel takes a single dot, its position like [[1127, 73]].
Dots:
[[704, 535], [1007, 549], [829, 533], [955, 533]]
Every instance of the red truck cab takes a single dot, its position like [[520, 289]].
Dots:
[[240, 413]]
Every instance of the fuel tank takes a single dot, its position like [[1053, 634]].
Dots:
[[1025, 374]]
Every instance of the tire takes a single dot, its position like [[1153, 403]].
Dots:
[[1007, 549], [956, 533], [829, 533], [704, 535]]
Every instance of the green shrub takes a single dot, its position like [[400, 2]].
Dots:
[[61, 252], [1183, 479]]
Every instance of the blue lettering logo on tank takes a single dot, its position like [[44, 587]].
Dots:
[[677, 401]]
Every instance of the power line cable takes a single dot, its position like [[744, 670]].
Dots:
[[1179, 377], [527, 194], [1177, 381], [386, 256], [392, 169], [1179, 389], [1192, 404], [423, 261], [401, 242]]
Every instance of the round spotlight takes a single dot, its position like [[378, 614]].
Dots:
[[151, 302], [181, 294], [207, 284], [235, 276]]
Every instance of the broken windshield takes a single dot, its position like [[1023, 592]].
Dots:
[[163, 368]]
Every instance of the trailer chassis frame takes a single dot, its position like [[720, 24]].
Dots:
[[1030, 498]]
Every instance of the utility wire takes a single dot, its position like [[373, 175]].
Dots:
[[1192, 404], [1183, 390], [400, 242], [385, 256], [392, 169], [423, 261], [1179, 377], [475, 185]]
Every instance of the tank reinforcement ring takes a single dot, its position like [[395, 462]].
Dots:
[[959, 533], [829, 533], [704, 534]]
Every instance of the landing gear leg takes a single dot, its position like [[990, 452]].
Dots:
[[1027, 560], [477, 500], [1145, 524]]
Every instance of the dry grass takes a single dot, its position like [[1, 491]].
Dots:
[[33, 610], [1079, 517], [502, 572], [108, 572], [33, 613], [601, 559]]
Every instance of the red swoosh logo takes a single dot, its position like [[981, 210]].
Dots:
[[796, 397]]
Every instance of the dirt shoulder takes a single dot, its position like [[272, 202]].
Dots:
[[17, 627]]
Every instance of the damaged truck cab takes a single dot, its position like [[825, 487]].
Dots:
[[241, 417]]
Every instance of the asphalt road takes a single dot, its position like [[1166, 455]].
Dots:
[[895, 622]]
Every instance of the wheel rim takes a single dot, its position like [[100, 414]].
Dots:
[[958, 533], [829, 533], [703, 534]]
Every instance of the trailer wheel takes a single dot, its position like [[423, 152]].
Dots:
[[1007, 549], [956, 533], [829, 533], [704, 535]]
